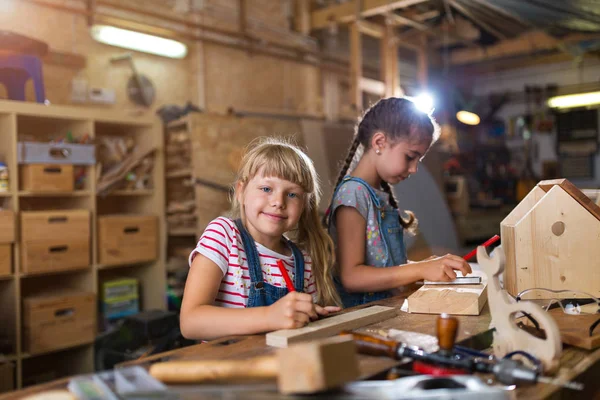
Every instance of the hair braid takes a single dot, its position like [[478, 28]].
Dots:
[[411, 223], [343, 171]]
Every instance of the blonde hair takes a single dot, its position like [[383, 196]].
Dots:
[[284, 160]]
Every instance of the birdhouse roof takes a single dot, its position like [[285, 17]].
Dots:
[[574, 192]]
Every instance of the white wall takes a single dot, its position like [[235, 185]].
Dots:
[[560, 74]]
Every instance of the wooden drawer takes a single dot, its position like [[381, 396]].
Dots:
[[63, 225], [54, 255], [7, 226], [47, 178], [57, 321], [127, 238], [5, 259]]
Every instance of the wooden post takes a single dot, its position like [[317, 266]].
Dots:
[[422, 63], [390, 74], [302, 16], [355, 66]]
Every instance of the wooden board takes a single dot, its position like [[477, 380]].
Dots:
[[574, 329], [577, 194], [7, 222], [450, 299], [330, 326]]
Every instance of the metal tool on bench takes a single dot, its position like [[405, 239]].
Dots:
[[446, 361]]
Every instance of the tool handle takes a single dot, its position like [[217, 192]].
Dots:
[[374, 346], [447, 328], [214, 370]]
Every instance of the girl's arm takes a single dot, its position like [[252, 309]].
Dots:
[[201, 319], [358, 277]]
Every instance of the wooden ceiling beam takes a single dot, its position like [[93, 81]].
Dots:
[[528, 43], [346, 12], [476, 20]]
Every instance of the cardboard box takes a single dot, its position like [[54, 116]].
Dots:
[[126, 238], [58, 321], [47, 178]]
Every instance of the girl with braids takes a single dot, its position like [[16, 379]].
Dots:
[[363, 218], [234, 286]]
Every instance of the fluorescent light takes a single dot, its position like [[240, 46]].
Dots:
[[574, 100], [423, 102], [138, 41], [468, 118]]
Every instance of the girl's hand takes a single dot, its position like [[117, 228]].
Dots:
[[294, 310], [325, 311], [442, 269]]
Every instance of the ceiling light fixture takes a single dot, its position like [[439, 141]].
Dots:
[[574, 100], [138, 41], [468, 118]]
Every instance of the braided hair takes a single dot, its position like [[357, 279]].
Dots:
[[397, 118]]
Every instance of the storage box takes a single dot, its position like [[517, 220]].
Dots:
[[47, 178], [64, 225], [126, 238], [54, 255], [58, 321], [54, 240], [7, 226], [56, 153], [5, 259], [7, 377]]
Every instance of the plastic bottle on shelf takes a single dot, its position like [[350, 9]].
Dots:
[[3, 177]]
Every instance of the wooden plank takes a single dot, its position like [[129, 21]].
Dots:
[[7, 222], [330, 326], [370, 29], [575, 329], [575, 192], [302, 16], [450, 299], [355, 66], [476, 20], [346, 12], [422, 62], [372, 86]]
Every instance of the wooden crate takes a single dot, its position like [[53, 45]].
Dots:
[[7, 377], [7, 222], [64, 225], [54, 255], [58, 321], [126, 238], [5, 259], [54, 240], [47, 178]]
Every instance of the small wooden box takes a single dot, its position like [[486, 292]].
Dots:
[[7, 377], [58, 321], [47, 178], [7, 226], [63, 225], [127, 238], [5, 259], [54, 255]]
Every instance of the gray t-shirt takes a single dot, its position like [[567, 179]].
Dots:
[[354, 194]]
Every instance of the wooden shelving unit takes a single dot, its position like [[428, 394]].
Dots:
[[20, 121]]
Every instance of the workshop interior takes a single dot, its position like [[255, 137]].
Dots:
[[125, 126]]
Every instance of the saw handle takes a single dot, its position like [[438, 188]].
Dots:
[[215, 370]]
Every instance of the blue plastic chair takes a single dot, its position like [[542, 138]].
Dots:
[[16, 69]]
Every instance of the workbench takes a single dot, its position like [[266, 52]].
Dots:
[[576, 364]]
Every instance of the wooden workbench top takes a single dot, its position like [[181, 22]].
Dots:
[[574, 362]]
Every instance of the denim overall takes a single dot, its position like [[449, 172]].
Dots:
[[261, 292], [393, 238]]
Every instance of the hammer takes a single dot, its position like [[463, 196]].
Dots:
[[302, 368]]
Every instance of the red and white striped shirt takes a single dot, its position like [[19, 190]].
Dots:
[[221, 243]]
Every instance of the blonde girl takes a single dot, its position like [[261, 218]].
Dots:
[[234, 286]]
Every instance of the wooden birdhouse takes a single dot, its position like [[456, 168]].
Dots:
[[552, 240]]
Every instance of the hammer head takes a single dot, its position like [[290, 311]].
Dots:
[[317, 365]]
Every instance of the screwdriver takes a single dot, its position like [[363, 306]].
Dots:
[[506, 371]]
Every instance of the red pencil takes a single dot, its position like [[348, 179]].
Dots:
[[491, 240], [286, 277]]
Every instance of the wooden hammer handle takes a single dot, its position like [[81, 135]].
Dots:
[[214, 370]]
